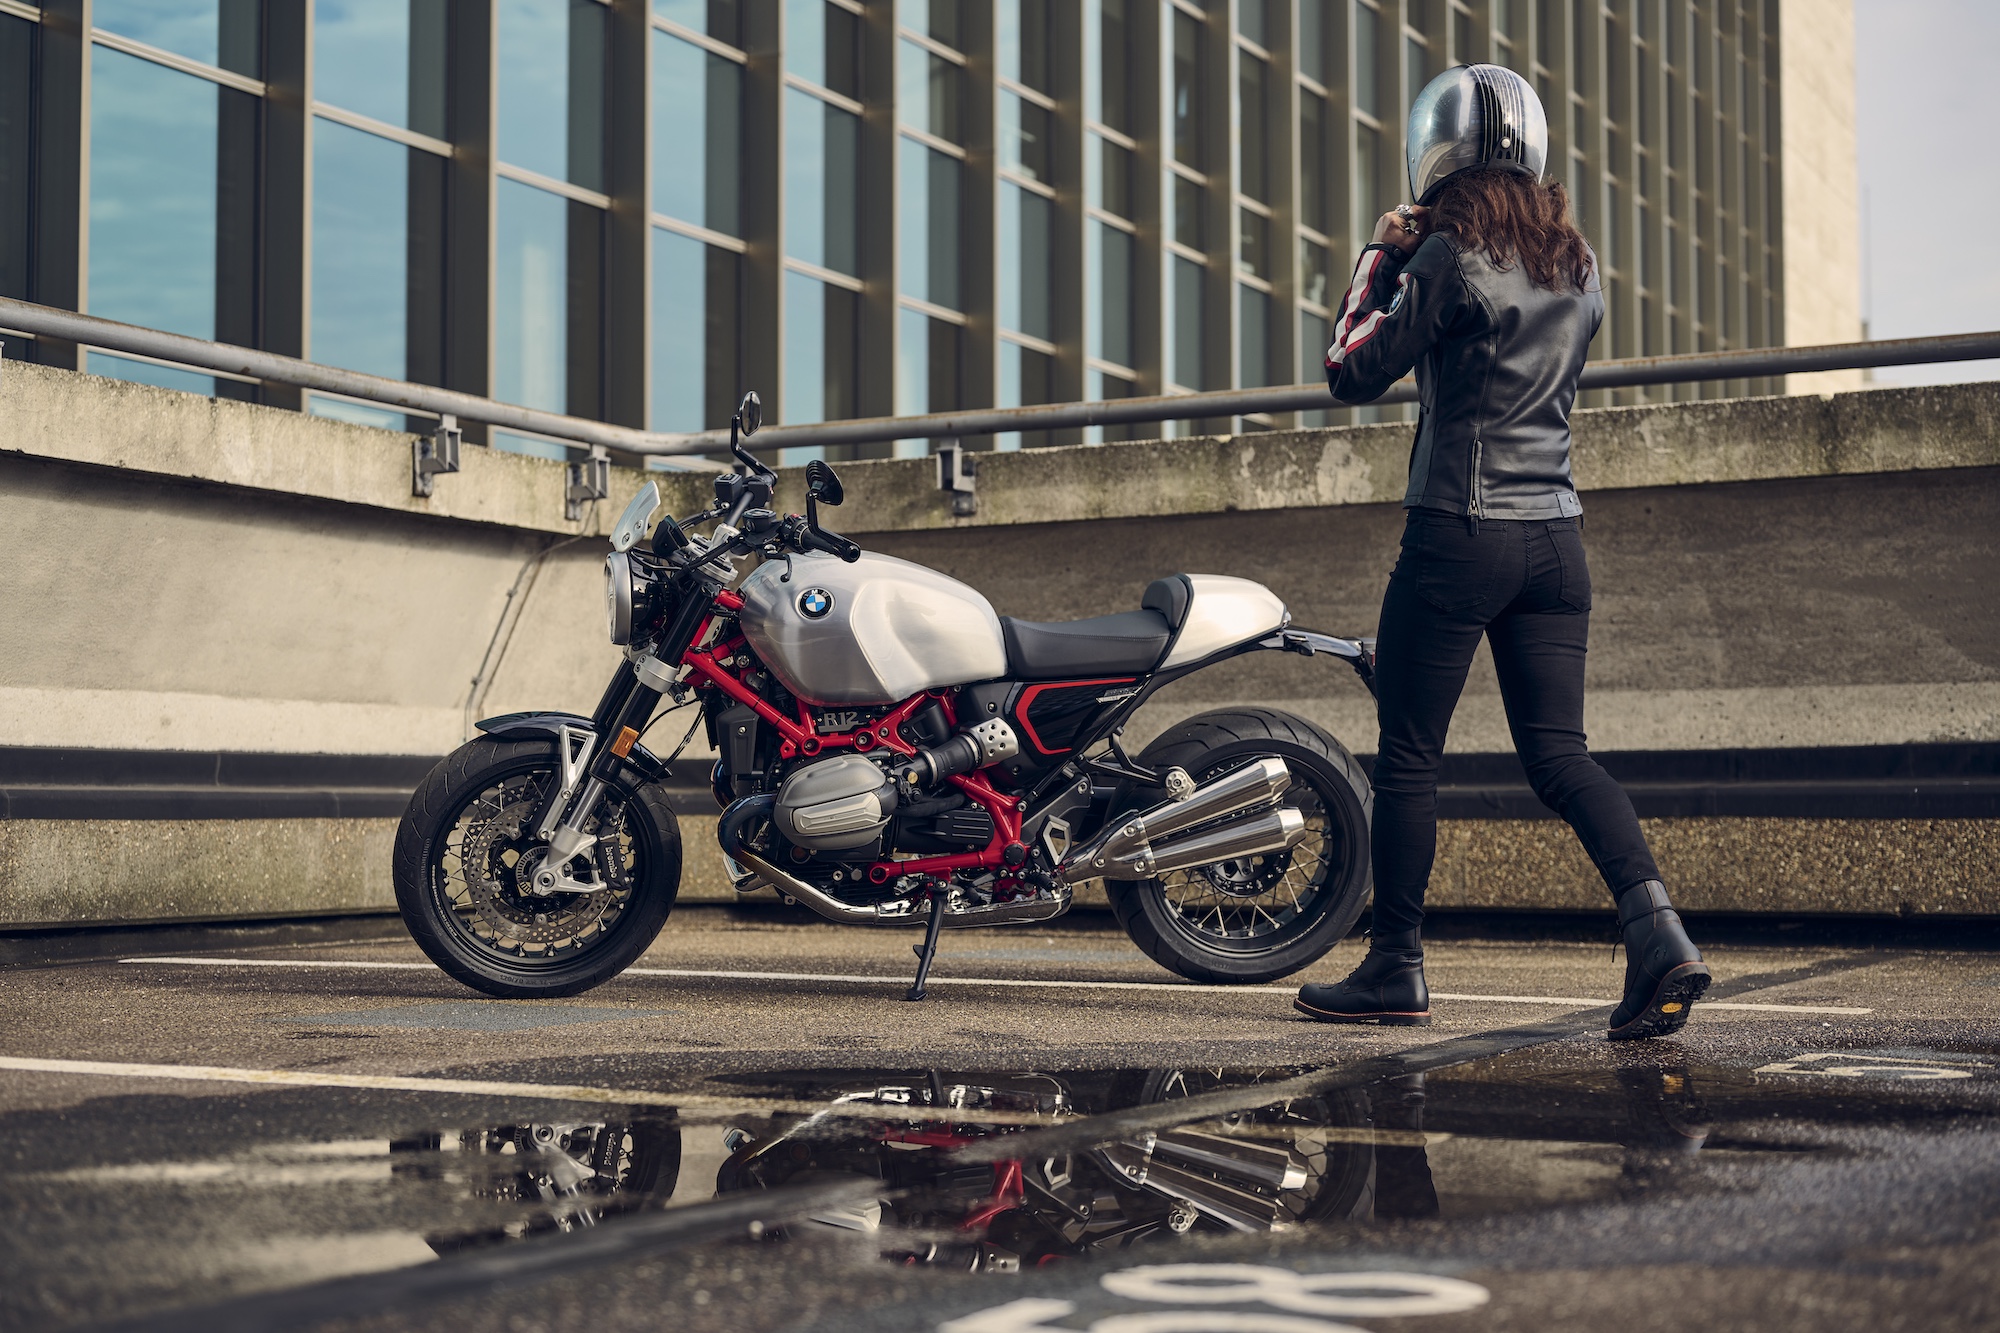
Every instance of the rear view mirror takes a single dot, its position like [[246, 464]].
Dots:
[[631, 524], [823, 483], [750, 414]]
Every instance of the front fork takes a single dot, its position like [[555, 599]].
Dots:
[[585, 761]]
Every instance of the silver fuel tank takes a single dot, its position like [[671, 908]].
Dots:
[[873, 632]]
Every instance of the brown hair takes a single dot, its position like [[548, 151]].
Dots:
[[1512, 219]]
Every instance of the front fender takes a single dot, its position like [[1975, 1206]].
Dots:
[[517, 725]]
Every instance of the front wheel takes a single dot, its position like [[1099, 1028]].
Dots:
[[463, 860], [1259, 918]]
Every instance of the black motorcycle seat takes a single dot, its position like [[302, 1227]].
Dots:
[[1125, 644]]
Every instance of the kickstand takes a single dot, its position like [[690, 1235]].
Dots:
[[927, 951]]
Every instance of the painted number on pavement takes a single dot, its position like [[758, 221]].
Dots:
[[1854, 1064], [1301, 1302]]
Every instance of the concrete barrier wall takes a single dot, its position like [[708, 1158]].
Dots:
[[210, 607]]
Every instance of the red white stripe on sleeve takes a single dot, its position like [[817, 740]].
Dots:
[[1351, 328]]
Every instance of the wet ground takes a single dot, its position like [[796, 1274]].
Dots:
[[751, 1131]]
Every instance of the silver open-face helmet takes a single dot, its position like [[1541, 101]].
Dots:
[[1475, 116]]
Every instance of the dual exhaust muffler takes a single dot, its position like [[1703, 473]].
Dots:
[[1144, 845]]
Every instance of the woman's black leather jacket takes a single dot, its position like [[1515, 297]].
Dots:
[[1497, 360]]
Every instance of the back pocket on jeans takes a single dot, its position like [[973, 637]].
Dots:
[[1568, 539], [1453, 568]]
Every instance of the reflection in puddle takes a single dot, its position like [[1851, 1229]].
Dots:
[[976, 1171]]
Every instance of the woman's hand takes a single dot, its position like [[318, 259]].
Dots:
[[1403, 227]]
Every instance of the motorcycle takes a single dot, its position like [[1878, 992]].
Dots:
[[891, 752]]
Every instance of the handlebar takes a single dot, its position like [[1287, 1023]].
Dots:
[[819, 539]]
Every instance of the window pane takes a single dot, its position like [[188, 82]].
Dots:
[[1503, 18], [153, 180], [360, 258], [1254, 20], [1108, 177], [1254, 245], [17, 56], [1415, 58], [215, 32], [552, 88], [1461, 34], [1315, 154], [383, 58], [818, 379], [821, 45], [931, 223], [720, 19], [1025, 379], [548, 272], [1188, 324], [1367, 49], [927, 91], [1024, 42], [1254, 136], [1187, 90], [822, 165], [695, 335], [1315, 273], [1024, 262], [1024, 137], [1312, 39], [697, 135], [1367, 179], [1254, 337], [926, 364], [1111, 313], [936, 19], [1190, 210], [1108, 97], [1315, 335]]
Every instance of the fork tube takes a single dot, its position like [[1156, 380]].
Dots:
[[613, 701]]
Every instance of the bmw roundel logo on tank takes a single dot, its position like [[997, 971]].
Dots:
[[814, 603]]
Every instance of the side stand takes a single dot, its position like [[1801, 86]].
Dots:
[[927, 951]]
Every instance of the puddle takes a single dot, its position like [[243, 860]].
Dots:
[[1104, 1162]]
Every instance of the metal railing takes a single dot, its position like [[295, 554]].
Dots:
[[1749, 363]]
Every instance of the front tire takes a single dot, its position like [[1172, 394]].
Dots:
[[1256, 919], [467, 909]]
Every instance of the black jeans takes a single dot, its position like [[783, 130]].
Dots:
[[1524, 585]]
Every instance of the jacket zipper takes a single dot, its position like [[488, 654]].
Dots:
[[1475, 507]]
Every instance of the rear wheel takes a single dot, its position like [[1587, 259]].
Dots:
[[1255, 919], [464, 857]]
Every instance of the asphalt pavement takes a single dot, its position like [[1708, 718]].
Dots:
[[751, 1130]]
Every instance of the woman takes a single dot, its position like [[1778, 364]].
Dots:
[[1490, 292]]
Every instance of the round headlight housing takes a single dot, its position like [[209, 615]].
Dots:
[[618, 597]]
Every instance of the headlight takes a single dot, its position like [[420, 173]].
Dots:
[[618, 597]]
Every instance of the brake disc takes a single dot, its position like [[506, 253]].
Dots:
[[500, 888]]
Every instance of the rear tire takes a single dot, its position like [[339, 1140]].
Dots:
[[467, 813], [1263, 918]]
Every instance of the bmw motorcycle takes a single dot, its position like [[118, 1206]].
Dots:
[[891, 753]]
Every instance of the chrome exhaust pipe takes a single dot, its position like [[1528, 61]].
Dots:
[[1132, 837], [1274, 831], [825, 904]]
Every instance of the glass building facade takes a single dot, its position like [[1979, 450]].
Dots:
[[634, 210]]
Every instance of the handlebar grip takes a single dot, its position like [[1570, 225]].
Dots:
[[833, 544]]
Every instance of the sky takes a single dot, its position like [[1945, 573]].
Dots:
[[1928, 140]]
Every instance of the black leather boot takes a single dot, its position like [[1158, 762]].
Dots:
[[1387, 988], [1664, 974]]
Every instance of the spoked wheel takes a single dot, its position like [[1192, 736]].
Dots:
[[1258, 918], [465, 863]]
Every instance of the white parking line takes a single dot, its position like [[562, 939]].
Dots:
[[841, 978]]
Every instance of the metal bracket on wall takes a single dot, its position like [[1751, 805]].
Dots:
[[432, 454], [958, 473], [589, 479]]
